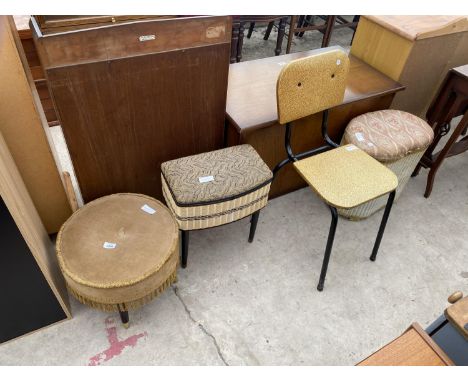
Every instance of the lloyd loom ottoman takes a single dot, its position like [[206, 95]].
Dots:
[[216, 188], [118, 252], [395, 138]]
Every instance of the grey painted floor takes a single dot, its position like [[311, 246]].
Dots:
[[257, 304]]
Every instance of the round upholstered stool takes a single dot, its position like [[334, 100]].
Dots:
[[118, 252], [395, 138]]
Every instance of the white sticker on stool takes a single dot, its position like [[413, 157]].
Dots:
[[148, 209], [108, 245], [206, 179]]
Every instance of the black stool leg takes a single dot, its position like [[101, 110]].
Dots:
[[388, 208], [123, 315], [253, 225], [326, 257], [185, 242]]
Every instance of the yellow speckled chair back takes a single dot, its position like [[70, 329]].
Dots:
[[312, 84]]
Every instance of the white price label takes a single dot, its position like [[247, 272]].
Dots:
[[108, 245], [206, 179], [359, 137], [148, 209], [147, 38], [350, 147]]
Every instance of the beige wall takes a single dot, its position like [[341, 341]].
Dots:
[[23, 125]]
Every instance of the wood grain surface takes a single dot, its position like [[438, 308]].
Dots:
[[124, 115], [412, 348]]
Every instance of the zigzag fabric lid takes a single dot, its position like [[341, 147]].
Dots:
[[216, 175]]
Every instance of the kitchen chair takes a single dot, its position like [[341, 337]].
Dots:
[[343, 177]]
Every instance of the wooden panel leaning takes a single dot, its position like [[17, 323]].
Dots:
[[35, 295], [130, 96], [417, 51], [25, 129]]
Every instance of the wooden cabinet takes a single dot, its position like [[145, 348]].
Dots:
[[134, 94], [416, 51]]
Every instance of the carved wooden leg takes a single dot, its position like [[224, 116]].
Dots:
[[444, 153]]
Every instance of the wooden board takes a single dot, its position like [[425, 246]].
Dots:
[[412, 348], [143, 104], [23, 125], [418, 27], [387, 52], [457, 314], [16, 198]]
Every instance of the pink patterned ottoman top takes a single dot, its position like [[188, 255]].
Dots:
[[389, 135]]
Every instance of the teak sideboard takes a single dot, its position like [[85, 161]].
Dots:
[[130, 95]]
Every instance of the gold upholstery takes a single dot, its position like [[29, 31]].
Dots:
[[143, 262], [312, 84], [346, 177]]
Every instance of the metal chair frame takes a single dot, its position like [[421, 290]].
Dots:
[[329, 145]]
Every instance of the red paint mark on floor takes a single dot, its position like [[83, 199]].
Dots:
[[116, 346]]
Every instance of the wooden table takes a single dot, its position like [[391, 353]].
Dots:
[[451, 101], [252, 116]]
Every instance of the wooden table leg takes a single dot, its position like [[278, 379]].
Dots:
[[444, 153], [234, 41], [328, 31], [279, 41], [241, 42], [292, 26]]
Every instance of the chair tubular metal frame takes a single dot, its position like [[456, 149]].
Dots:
[[334, 221]]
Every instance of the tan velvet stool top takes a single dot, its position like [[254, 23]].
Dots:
[[388, 135], [119, 251]]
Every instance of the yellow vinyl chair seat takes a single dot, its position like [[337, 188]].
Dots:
[[346, 177]]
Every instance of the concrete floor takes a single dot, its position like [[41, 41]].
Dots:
[[257, 304]]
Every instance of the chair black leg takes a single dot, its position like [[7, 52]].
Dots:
[[388, 208], [326, 257], [123, 315], [253, 225], [185, 243]]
